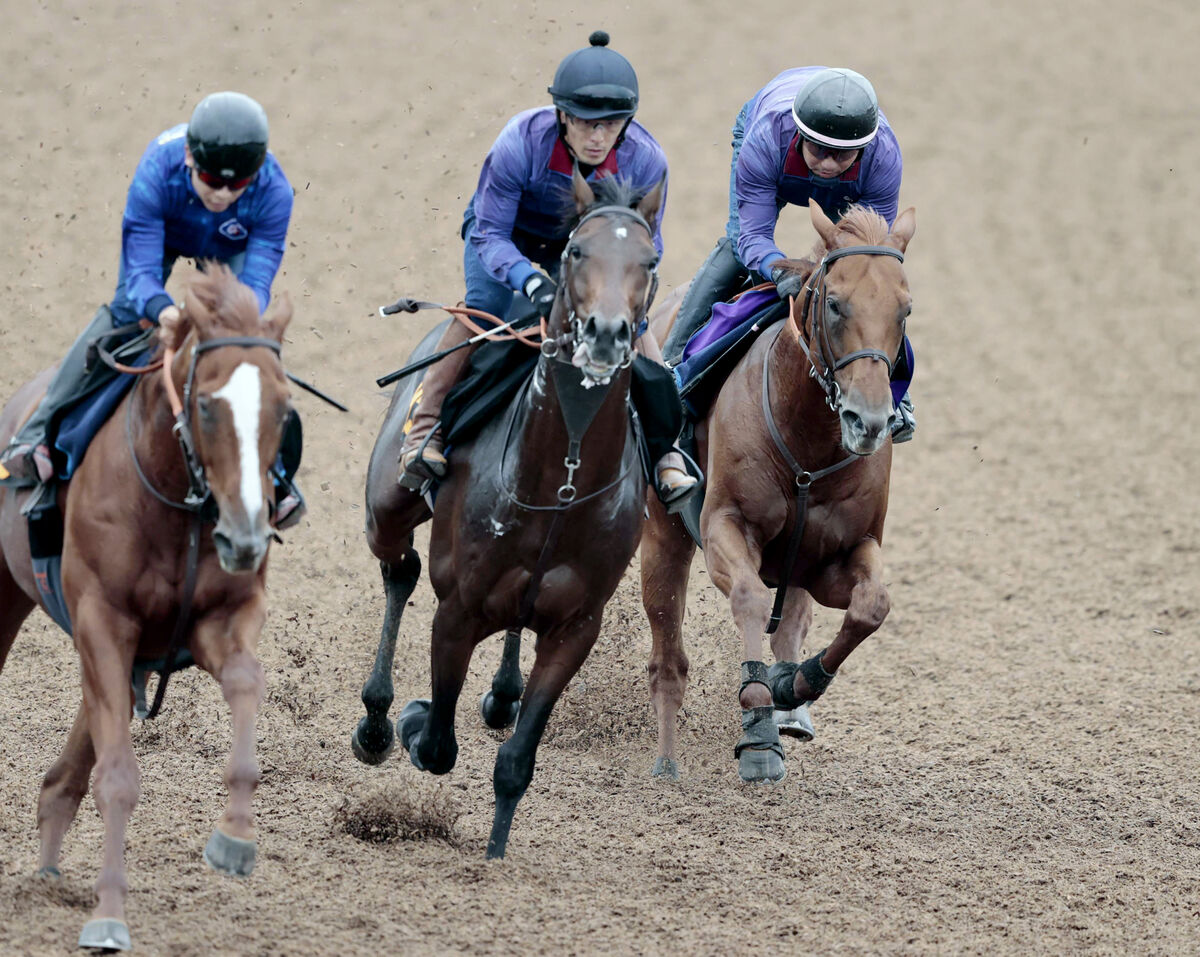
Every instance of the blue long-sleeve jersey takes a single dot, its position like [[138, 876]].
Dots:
[[165, 219]]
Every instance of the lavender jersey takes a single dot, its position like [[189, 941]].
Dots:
[[770, 172], [165, 219], [524, 192]]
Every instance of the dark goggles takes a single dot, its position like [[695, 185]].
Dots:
[[214, 181]]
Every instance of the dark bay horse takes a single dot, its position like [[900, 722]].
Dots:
[[798, 452], [134, 557], [538, 518]]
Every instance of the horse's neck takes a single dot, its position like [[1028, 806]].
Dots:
[[543, 438], [152, 434], [798, 404]]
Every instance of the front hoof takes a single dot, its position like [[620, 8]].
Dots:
[[230, 855], [497, 715], [796, 723], [665, 768], [50, 873], [372, 741], [761, 767], [105, 933], [409, 725]]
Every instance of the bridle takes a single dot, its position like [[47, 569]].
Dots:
[[813, 315], [574, 336]]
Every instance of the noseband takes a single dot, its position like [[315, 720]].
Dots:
[[814, 312], [576, 327]]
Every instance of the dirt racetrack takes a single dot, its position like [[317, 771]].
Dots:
[[1009, 767]]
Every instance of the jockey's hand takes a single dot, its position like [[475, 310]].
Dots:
[[540, 289], [787, 282], [171, 327]]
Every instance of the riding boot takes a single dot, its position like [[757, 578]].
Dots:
[[421, 457], [718, 278], [675, 483], [28, 454]]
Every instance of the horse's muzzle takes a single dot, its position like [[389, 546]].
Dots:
[[240, 551], [602, 346], [864, 430]]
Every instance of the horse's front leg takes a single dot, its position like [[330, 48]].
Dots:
[[667, 551], [225, 646], [106, 640], [372, 740], [63, 788], [734, 559], [426, 727], [786, 645], [560, 652], [856, 584]]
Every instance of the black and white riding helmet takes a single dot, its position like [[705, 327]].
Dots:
[[227, 135], [595, 83], [837, 109]]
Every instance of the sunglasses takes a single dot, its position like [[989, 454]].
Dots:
[[220, 182]]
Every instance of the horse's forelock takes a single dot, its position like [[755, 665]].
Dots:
[[610, 191], [862, 226], [224, 301]]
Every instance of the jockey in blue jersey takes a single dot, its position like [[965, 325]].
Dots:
[[515, 219], [811, 133], [207, 189]]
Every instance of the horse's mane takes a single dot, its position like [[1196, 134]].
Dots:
[[863, 224], [217, 300], [610, 191]]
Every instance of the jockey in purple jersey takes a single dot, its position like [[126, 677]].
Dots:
[[514, 220], [811, 133], [207, 189]]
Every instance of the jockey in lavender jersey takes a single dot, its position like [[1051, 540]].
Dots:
[[811, 133], [515, 217], [515, 222]]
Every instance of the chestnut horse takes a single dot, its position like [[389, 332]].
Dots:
[[538, 517], [134, 559], [798, 452]]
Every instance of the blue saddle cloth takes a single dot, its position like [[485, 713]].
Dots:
[[79, 425]]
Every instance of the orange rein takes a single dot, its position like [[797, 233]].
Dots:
[[464, 315]]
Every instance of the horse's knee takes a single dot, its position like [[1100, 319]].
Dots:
[[117, 786], [242, 675], [869, 606]]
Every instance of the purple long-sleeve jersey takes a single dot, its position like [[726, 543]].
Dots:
[[524, 191], [771, 172]]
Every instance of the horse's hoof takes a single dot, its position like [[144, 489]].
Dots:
[[230, 855], [372, 745], [496, 715], [105, 933], [409, 725], [665, 768], [50, 873], [796, 723], [761, 767]]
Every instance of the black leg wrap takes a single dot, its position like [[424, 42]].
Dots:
[[783, 681], [815, 674], [753, 673]]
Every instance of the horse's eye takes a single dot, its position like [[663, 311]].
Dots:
[[652, 265], [575, 253], [833, 307]]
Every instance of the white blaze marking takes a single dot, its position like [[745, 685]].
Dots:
[[621, 232], [244, 395]]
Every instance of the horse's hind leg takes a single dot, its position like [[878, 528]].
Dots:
[[667, 552], [426, 729], [500, 705], [560, 652], [786, 644], [63, 788], [15, 607], [373, 739]]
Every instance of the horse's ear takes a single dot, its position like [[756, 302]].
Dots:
[[822, 223], [905, 226], [651, 204], [275, 320], [582, 192]]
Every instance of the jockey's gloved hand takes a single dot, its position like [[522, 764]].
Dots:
[[171, 327], [540, 289], [787, 282]]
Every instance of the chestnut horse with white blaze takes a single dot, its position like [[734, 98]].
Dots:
[[135, 563], [798, 452]]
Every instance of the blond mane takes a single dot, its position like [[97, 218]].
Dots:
[[863, 225], [218, 302]]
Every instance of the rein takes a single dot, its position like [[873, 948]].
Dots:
[[820, 330], [198, 502]]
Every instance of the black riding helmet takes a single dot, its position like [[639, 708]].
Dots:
[[595, 83], [837, 109], [227, 135]]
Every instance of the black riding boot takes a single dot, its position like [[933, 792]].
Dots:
[[718, 278], [70, 382]]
